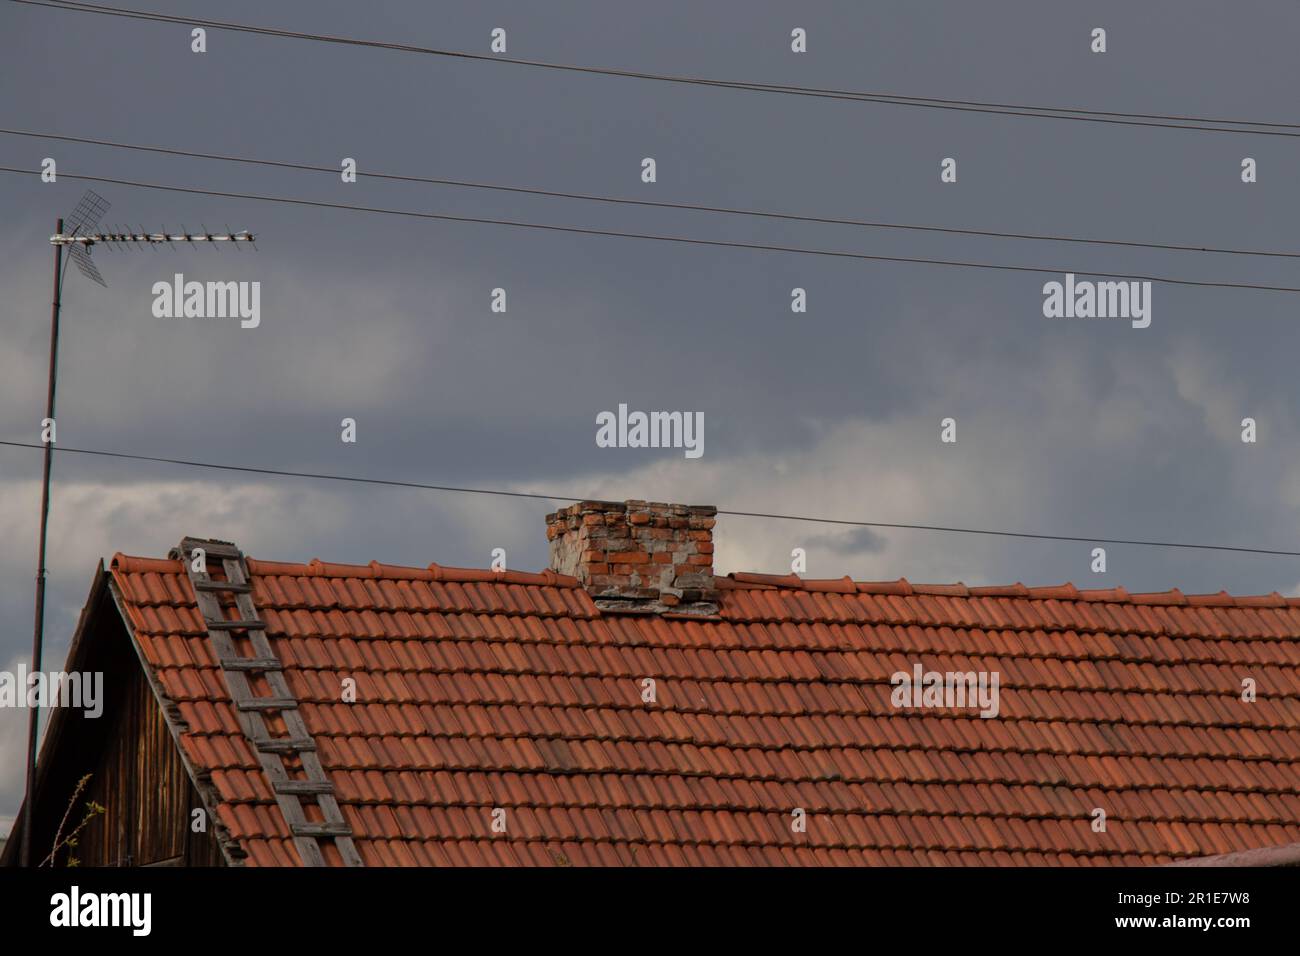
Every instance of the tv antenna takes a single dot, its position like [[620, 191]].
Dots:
[[81, 236], [83, 224]]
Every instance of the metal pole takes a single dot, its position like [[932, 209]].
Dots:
[[33, 720]]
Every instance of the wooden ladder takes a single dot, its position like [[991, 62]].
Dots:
[[250, 709]]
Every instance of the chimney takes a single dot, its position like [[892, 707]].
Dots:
[[637, 555]]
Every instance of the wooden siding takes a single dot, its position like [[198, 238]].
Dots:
[[140, 780]]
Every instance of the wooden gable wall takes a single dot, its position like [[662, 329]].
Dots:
[[137, 773]]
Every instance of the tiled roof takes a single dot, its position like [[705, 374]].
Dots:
[[479, 690]]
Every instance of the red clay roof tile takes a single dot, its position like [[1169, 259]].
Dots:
[[479, 689]]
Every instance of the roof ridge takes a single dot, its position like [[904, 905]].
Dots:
[[374, 571], [748, 580], [742, 580]]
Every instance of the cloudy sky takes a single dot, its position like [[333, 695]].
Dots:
[[1087, 428]]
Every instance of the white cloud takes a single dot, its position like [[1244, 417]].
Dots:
[[13, 753], [1201, 383], [92, 520], [889, 472]]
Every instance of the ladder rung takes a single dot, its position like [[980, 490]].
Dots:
[[200, 585], [250, 664], [304, 786], [267, 703], [286, 745], [320, 829], [250, 625]]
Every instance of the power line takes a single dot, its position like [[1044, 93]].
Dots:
[[246, 469], [299, 474], [688, 240], [661, 204], [1153, 120]]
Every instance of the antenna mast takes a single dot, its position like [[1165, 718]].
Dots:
[[78, 240]]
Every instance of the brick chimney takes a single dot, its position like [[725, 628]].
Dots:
[[637, 555]]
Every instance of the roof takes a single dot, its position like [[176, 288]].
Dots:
[[479, 690]]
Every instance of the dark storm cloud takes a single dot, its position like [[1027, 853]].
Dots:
[[1073, 428]]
